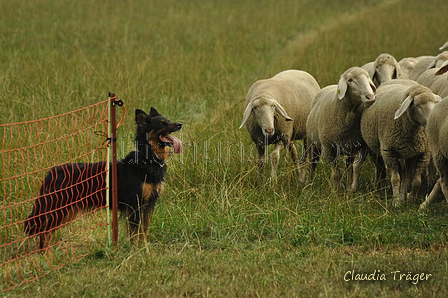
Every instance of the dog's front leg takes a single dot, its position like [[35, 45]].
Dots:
[[144, 225]]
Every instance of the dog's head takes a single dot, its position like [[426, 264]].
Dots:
[[156, 130]]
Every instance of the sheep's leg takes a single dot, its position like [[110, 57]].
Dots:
[[433, 196], [416, 181], [440, 187], [335, 174], [444, 186], [302, 169], [261, 162], [356, 165], [421, 165], [380, 172], [275, 157], [312, 155], [349, 165], [394, 167], [395, 170], [295, 159], [407, 174], [304, 156], [335, 171], [293, 151], [331, 153], [395, 181]]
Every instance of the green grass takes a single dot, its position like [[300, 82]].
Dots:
[[214, 232]]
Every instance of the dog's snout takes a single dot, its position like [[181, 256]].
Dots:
[[179, 125]]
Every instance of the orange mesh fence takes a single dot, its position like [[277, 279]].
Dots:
[[51, 170]]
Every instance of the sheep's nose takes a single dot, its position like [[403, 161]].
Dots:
[[269, 131], [370, 98]]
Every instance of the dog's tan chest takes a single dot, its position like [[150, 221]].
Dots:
[[148, 189]]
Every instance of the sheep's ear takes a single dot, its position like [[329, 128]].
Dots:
[[282, 111], [397, 71], [438, 99], [445, 46], [342, 87], [404, 106], [246, 114], [432, 64], [375, 79], [443, 68], [372, 85]]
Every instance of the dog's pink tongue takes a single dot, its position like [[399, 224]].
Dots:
[[177, 144]]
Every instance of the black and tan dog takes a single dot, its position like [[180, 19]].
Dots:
[[79, 187]]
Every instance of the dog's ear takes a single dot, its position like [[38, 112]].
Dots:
[[153, 113], [140, 117]]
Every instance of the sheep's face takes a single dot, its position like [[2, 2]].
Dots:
[[386, 68], [386, 72], [264, 111], [419, 102], [357, 82], [422, 105]]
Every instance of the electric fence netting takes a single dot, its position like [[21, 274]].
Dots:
[[29, 152]]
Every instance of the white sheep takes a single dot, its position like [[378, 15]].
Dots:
[[428, 77], [440, 86], [383, 69], [426, 63], [406, 82], [419, 58], [333, 124], [406, 66], [394, 129], [437, 129], [276, 113], [421, 66]]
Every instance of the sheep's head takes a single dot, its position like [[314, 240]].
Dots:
[[443, 69], [357, 85], [406, 67], [418, 101], [386, 68], [438, 60], [263, 109]]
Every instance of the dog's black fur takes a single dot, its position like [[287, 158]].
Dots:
[[77, 187]]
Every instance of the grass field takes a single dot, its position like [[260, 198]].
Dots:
[[214, 232]]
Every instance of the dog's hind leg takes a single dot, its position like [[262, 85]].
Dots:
[[45, 240], [132, 223], [54, 221]]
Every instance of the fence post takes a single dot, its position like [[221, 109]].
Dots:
[[113, 166]]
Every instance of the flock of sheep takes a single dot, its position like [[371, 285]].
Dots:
[[394, 112]]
